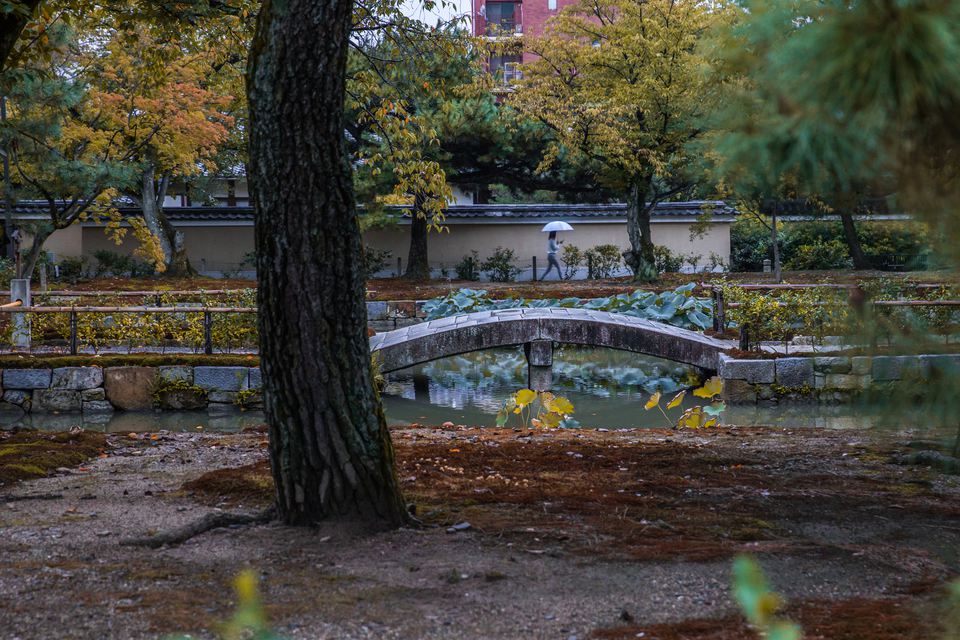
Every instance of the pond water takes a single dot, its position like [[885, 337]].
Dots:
[[608, 389]]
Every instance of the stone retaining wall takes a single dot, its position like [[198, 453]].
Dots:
[[104, 390], [394, 314], [826, 379]]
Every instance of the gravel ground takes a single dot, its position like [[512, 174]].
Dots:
[[64, 575]]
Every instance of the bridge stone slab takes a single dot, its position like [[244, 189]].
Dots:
[[488, 329]]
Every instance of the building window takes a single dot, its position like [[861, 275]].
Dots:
[[503, 18], [552, 5], [505, 68]]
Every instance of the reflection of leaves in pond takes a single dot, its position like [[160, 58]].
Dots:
[[599, 372]]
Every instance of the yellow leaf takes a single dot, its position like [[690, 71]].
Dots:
[[562, 406], [712, 387], [525, 397], [712, 422], [653, 401], [552, 420], [677, 399]]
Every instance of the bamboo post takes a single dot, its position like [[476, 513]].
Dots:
[[534, 268]]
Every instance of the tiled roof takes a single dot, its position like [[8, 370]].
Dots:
[[493, 212]]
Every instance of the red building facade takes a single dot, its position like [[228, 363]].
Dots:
[[512, 20]]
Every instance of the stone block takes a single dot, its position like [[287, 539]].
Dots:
[[402, 308], [130, 388], [832, 364], [752, 371], [170, 374], [77, 378], [221, 378], [93, 395], [540, 378], [17, 397], [794, 372], [10, 412], [222, 397], [539, 353], [97, 406], [56, 400], [221, 409], [26, 378], [846, 381], [182, 399], [819, 380], [861, 365], [894, 367], [376, 310], [256, 379], [945, 364], [765, 392], [739, 392]]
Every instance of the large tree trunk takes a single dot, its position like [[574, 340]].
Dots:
[[640, 256], [12, 24], [418, 263], [329, 446]]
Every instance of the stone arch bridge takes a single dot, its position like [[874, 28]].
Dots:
[[538, 330]]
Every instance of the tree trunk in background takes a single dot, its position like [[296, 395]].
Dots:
[[640, 257], [418, 263], [152, 196], [775, 241], [860, 260], [329, 446], [33, 255], [11, 25]]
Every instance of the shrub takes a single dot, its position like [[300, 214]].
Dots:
[[819, 244], [832, 254], [375, 260], [499, 266], [572, 258], [72, 269], [749, 245], [469, 267], [118, 264], [603, 260], [666, 261], [716, 260]]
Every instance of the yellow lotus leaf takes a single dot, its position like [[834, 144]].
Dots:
[[546, 399], [712, 387], [677, 399], [562, 406], [525, 397], [552, 420], [712, 422], [691, 418], [653, 401]]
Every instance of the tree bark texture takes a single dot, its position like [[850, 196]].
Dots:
[[329, 446], [640, 256], [775, 242], [152, 195], [860, 260], [418, 263]]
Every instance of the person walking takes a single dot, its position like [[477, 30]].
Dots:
[[553, 245]]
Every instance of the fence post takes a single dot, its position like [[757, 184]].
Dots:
[[207, 332], [590, 267], [73, 333], [399, 266], [20, 290], [534, 268], [744, 337], [720, 313]]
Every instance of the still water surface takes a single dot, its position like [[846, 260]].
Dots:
[[608, 389]]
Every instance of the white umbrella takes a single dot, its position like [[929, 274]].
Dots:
[[556, 225]]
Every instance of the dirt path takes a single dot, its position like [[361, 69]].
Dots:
[[572, 534]]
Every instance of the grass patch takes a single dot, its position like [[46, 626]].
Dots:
[[31, 454]]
